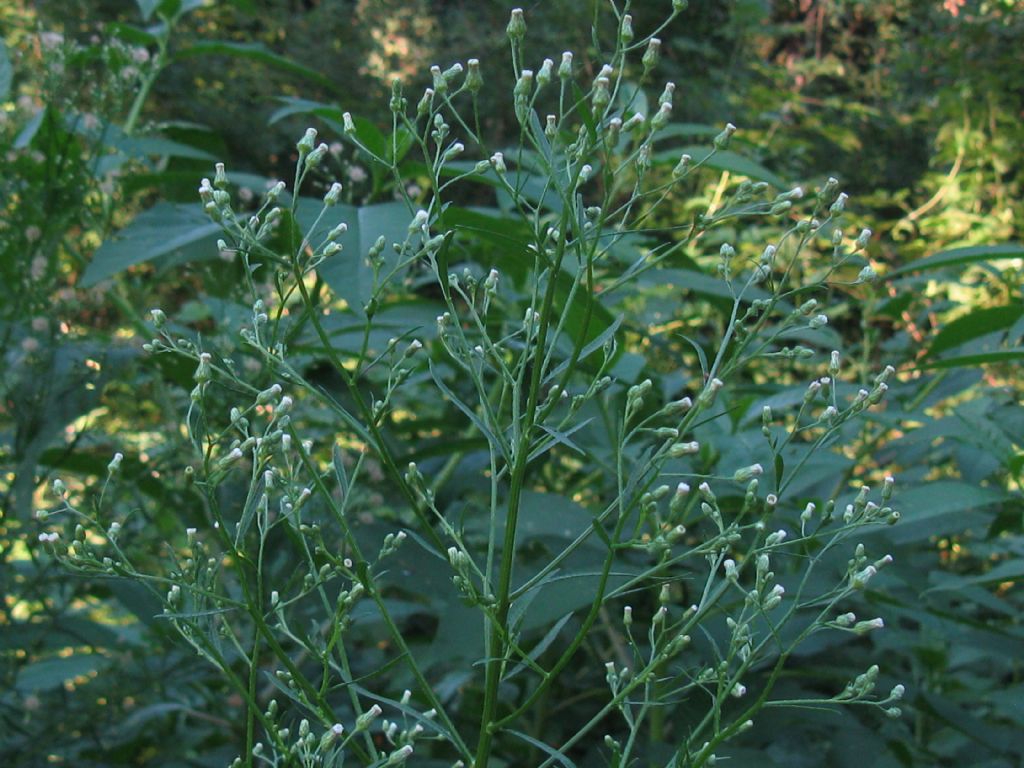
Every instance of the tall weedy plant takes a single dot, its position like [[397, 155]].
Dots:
[[495, 542]]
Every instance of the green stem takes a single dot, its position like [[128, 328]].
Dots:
[[499, 624], [159, 62]]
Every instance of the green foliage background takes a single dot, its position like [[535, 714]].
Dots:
[[915, 105]]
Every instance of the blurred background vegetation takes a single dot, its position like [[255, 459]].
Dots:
[[916, 105]]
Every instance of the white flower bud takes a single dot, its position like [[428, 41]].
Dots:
[[333, 194], [565, 68]]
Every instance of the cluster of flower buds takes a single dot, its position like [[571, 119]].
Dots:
[[864, 510]]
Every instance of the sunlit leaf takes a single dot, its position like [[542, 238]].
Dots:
[[961, 256]]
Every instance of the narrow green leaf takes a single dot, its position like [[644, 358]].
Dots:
[[145, 146], [551, 752], [540, 138], [959, 256], [542, 646], [6, 72], [25, 136], [493, 439], [961, 361], [163, 230], [297, 106], [701, 357], [959, 718], [338, 462], [597, 343], [1009, 570]]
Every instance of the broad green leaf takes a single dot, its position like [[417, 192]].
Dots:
[[166, 229], [939, 507], [959, 256], [6, 72], [348, 273], [138, 600], [48, 674], [723, 160], [980, 322], [549, 515], [367, 135], [961, 361], [297, 106], [393, 320], [508, 239], [255, 52], [147, 7], [130, 34]]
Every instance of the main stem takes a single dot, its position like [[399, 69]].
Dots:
[[499, 629]]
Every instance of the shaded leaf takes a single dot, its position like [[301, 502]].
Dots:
[[166, 229], [940, 507], [348, 273], [48, 674]]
